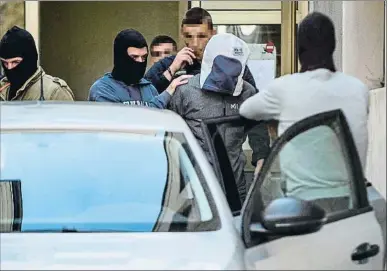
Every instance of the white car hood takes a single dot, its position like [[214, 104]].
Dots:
[[109, 251]]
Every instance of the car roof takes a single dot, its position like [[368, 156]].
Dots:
[[87, 115]]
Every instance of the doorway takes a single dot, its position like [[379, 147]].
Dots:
[[260, 22]]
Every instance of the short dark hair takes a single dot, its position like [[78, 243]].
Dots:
[[198, 15], [163, 39]]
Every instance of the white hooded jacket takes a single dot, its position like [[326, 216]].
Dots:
[[218, 91]]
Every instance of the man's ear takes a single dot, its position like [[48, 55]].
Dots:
[[214, 32]]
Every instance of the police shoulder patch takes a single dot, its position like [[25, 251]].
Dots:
[[59, 81]]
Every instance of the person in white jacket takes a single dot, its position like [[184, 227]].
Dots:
[[318, 87]]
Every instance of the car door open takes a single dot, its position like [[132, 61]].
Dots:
[[308, 208], [233, 163]]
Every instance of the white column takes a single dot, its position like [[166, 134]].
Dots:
[[32, 19], [376, 166], [363, 57], [363, 41]]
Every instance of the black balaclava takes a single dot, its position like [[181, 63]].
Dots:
[[316, 43], [18, 42], [125, 68]]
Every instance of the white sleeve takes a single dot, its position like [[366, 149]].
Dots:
[[264, 105]]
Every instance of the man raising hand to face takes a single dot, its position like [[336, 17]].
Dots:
[[196, 30]]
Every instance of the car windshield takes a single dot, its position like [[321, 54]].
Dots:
[[101, 181]]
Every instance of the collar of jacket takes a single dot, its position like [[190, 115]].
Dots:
[[144, 82], [32, 80], [193, 69]]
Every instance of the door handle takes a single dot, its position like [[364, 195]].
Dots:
[[365, 251]]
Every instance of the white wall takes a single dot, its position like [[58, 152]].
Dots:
[[363, 57], [376, 169], [363, 41]]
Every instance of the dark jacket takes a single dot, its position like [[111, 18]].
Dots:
[[195, 104], [218, 91], [156, 77]]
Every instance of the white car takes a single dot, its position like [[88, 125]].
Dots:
[[102, 186]]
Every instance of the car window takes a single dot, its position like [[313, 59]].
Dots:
[[314, 160], [102, 181], [311, 166]]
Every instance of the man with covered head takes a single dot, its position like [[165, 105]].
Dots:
[[125, 84], [317, 88], [24, 79], [218, 91]]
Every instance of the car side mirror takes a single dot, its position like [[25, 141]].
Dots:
[[290, 216]]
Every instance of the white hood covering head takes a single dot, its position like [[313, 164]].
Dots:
[[223, 64]]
